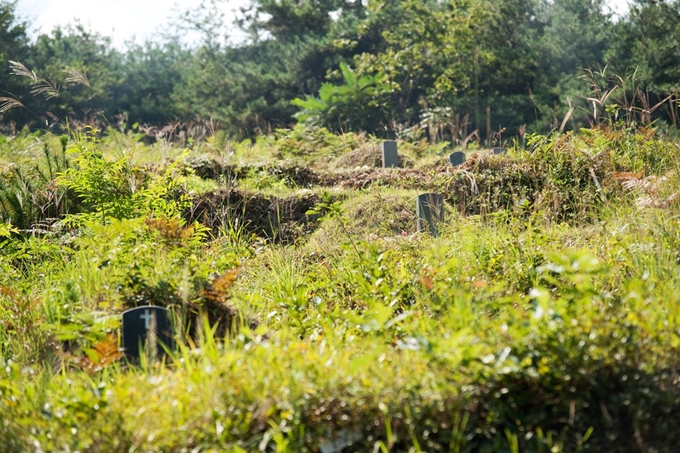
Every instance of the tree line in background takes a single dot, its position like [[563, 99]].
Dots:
[[460, 69]]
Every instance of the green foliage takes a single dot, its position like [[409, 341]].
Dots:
[[6, 230], [649, 32], [152, 71], [513, 330], [132, 262], [353, 105], [313, 142], [543, 318], [14, 45], [29, 198], [116, 189], [454, 67], [287, 20], [81, 60], [430, 71], [248, 90]]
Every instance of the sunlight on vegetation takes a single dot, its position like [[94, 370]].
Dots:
[[308, 312], [545, 315]]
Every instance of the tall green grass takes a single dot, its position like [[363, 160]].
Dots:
[[545, 325]]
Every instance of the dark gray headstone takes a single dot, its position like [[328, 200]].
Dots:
[[430, 209], [389, 154], [146, 327], [457, 158], [499, 150]]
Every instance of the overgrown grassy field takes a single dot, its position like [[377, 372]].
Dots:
[[310, 314]]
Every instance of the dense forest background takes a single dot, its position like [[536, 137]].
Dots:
[[461, 69]]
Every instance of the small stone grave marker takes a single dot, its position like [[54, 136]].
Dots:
[[389, 154], [457, 158], [146, 327], [430, 209], [499, 150]]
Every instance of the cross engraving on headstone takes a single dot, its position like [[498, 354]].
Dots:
[[457, 158], [389, 154], [430, 211], [147, 318], [149, 329]]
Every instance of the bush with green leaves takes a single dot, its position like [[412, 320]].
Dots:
[[352, 106], [117, 189]]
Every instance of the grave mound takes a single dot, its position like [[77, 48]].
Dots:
[[368, 155]]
